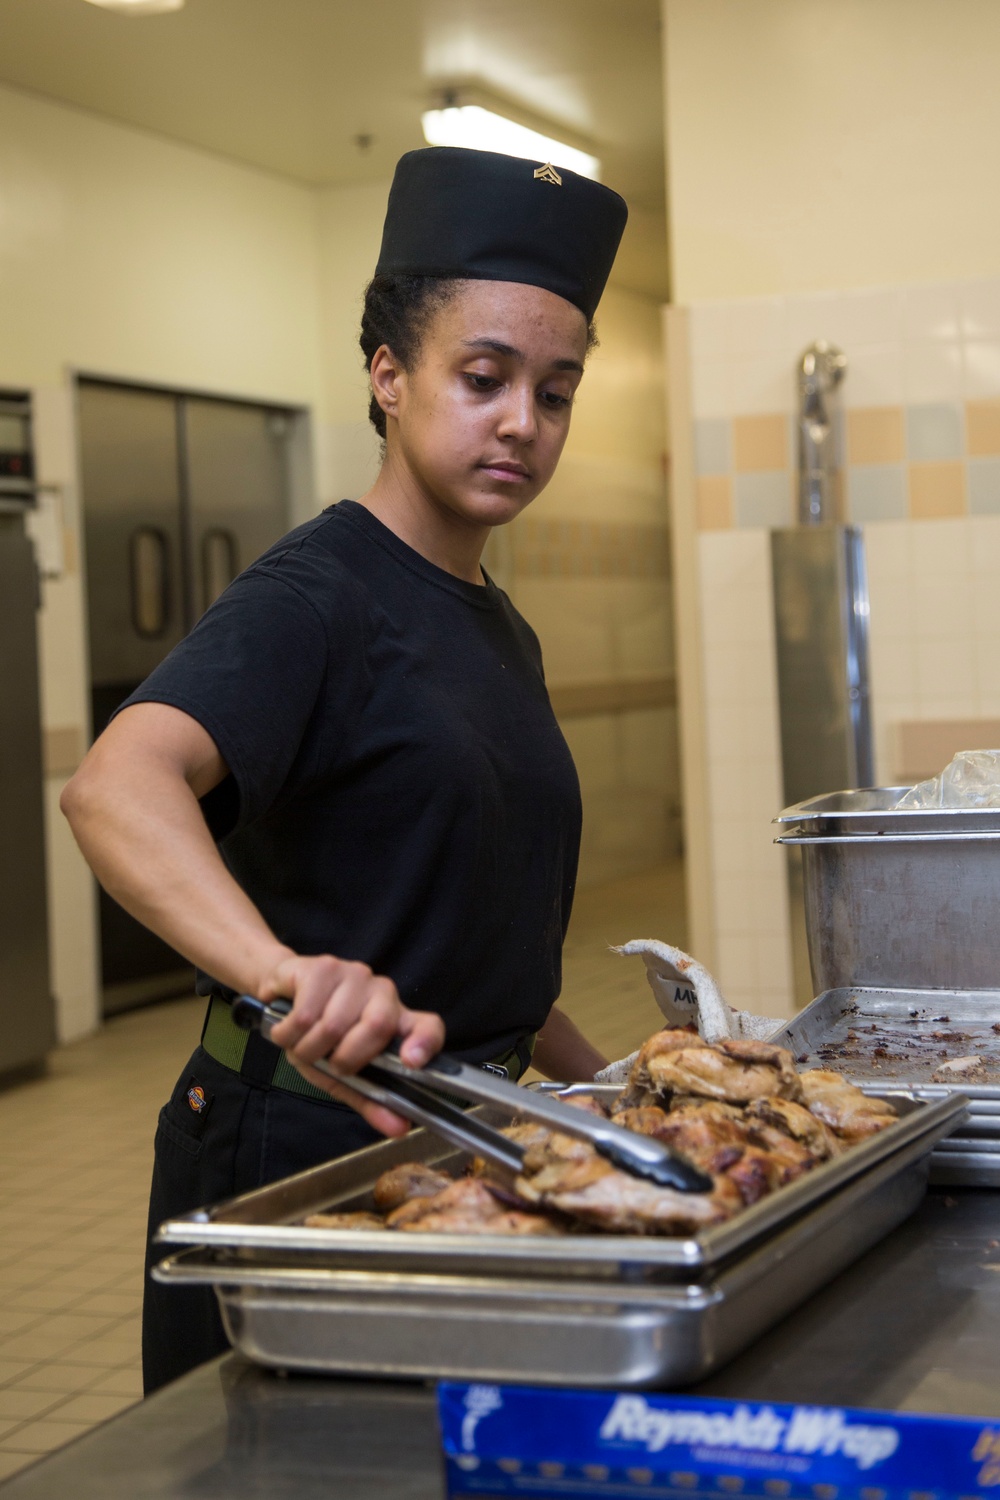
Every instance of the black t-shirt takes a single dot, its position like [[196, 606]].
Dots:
[[399, 789]]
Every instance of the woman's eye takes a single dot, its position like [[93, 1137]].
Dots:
[[554, 400], [482, 382]]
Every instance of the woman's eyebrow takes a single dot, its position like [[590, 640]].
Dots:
[[495, 346]]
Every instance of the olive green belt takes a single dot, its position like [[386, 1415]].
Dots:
[[259, 1061]]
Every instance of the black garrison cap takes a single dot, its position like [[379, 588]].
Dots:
[[476, 214]]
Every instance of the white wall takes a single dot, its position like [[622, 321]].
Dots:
[[125, 254], [347, 448], [818, 145]]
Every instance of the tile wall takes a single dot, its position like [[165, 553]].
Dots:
[[589, 568], [919, 434], [918, 439]]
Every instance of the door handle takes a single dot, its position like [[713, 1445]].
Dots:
[[149, 559], [219, 563]]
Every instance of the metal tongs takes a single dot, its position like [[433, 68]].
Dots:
[[414, 1094]]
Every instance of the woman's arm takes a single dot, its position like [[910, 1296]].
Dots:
[[133, 807], [563, 1053]]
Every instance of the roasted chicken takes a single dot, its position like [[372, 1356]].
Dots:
[[411, 1180], [737, 1110], [842, 1106], [467, 1207], [568, 1175], [345, 1221]]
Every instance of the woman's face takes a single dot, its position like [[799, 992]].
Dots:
[[480, 420]]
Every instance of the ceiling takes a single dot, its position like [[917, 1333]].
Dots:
[[290, 85]]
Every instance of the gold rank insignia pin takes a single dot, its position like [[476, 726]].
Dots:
[[548, 173]]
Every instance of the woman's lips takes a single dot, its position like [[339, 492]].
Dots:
[[509, 473]]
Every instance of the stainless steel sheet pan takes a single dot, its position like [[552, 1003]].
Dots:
[[882, 1038], [268, 1222], [427, 1321]]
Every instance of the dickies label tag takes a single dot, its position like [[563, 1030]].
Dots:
[[197, 1098]]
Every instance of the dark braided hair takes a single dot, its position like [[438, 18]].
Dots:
[[396, 313]]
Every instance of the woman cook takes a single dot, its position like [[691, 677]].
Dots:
[[347, 786]]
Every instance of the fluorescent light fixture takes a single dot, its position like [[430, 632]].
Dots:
[[480, 129], [138, 7]]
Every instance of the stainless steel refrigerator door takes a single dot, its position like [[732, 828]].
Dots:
[[138, 610], [27, 1022], [136, 592], [235, 459]]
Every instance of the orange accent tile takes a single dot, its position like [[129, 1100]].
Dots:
[[715, 502], [937, 489], [875, 435], [760, 443], [982, 420]]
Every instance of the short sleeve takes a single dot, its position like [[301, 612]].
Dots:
[[251, 672]]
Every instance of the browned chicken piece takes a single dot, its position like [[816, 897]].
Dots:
[[714, 1137], [411, 1179], [590, 1104], [468, 1207], [764, 1116], [733, 1071], [842, 1106], [344, 1221], [709, 1109], [569, 1175], [640, 1088], [525, 1133]]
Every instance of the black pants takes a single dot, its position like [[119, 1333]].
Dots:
[[220, 1135]]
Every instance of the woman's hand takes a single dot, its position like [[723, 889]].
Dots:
[[345, 1014]]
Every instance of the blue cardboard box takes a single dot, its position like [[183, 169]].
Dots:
[[516, 1440]]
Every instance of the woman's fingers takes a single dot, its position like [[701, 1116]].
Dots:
[[423, 1036], [348, 1015]]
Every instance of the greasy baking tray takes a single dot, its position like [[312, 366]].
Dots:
[[545, 1329], [267, 1223], [896, 1039]]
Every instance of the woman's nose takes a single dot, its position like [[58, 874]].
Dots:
[[519, 418]]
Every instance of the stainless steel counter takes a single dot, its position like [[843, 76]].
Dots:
[[915, 1326]]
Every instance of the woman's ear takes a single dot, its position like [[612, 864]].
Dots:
[[387, 376]]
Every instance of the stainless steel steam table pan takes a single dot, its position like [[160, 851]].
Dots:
[[873, 812], [896, 1038], [267, 1223], [897, 898], [547, 1328]]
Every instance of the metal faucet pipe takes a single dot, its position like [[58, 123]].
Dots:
[[820, 371]]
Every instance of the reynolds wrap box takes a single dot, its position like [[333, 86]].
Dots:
[[515, 1440]]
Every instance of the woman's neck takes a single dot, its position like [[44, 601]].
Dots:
[[443, 538]]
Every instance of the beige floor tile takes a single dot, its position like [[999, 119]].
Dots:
[[14, 1370], [48, 1297], [17, 1404], [42, 1437], [125, 1381], [114, 1304], [92, 1406], [13, 1463], [15, 1322], [61, 1378], [111, 1352]]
